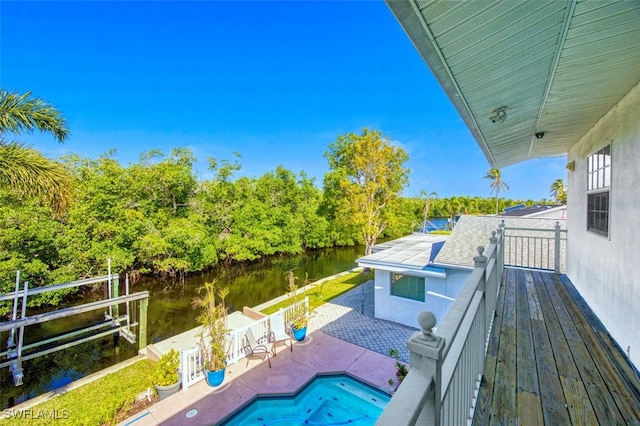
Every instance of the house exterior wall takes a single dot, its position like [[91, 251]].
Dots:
[[405, 311], [606, 270]]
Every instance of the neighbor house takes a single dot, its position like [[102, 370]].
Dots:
[[534, 79], [427, 271]]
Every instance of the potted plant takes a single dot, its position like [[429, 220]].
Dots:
[[299, 318], [401, 369], [166, 377], [213, 335]]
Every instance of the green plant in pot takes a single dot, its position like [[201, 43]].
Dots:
[[299, 318], [213, 335], [166, 377]]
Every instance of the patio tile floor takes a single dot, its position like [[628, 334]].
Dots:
[[343, 336]]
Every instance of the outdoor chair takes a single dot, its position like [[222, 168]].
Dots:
[[280, 332], [257, 349]]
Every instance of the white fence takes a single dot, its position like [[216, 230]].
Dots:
[[192, 365]]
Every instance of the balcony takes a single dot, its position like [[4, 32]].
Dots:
[[518, 346]]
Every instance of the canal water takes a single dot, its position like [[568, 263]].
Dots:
[[169, 313]]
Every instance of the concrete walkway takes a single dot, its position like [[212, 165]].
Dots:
[[343, 336]]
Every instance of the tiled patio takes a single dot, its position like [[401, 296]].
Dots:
[[318, 353], [343, 337]]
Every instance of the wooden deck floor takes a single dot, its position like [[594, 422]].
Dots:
[[550, 361]]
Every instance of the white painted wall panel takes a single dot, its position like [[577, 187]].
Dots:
[[606, 271]]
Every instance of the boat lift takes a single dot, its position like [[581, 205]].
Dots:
[[120, 325]]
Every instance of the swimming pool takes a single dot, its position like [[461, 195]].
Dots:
[[326, 400]]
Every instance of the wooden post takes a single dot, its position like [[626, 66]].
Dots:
[[142, 328], [12, 337]]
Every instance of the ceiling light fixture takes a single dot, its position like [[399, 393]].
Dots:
[[499, 115], [539, 135]]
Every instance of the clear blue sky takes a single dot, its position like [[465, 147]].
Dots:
[[275, 81]]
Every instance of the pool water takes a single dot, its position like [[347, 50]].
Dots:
[[326, 400]]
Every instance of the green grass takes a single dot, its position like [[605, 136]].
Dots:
[[105, 401], [322, 293]]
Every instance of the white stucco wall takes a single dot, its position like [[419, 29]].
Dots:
[[606, 271], [405, 311]]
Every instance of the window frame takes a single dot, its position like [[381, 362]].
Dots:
[[598, 209], [395, 277]]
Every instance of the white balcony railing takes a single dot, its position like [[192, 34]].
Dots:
[[192, 365], [534, 248], [446, 367]]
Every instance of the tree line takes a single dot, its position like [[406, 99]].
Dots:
[[157, 217]]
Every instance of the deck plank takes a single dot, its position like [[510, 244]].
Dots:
[[551, 361], [614, 386], [482, 414], [527, 376], [529, 409], [503, 407], [576, 395]]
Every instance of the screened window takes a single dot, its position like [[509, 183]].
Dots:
[[407, 286], [598, 185]]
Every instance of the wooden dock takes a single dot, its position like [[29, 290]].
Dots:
[[550, 361]]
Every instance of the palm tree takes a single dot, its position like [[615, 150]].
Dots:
[[427, 205], [559, 191], [497, 184], [25, 169]]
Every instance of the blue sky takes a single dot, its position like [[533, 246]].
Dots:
[[275, 81]]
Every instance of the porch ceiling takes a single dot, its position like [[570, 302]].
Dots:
[[555, 66]]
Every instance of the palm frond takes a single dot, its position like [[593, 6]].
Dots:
[[28, 172], [22, 113]]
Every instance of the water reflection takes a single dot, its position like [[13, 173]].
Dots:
[[169, 313]]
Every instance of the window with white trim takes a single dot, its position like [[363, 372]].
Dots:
[[598, 186], [407, 286]]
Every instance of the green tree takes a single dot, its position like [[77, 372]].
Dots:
[[497, 184], [428, 198], [559, 191], [25, 169], [366, 174]]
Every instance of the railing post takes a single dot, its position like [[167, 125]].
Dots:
[[557, 253], [115, 284], [501, 237], [480, 262], [425, 357], [142, 327]]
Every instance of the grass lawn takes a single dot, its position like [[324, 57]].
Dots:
[[105, 401], [322, 293]]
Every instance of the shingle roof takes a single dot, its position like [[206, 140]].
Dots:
[[473, 231]]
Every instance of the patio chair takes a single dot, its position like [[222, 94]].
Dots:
[[257, 349], [280, 332]]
